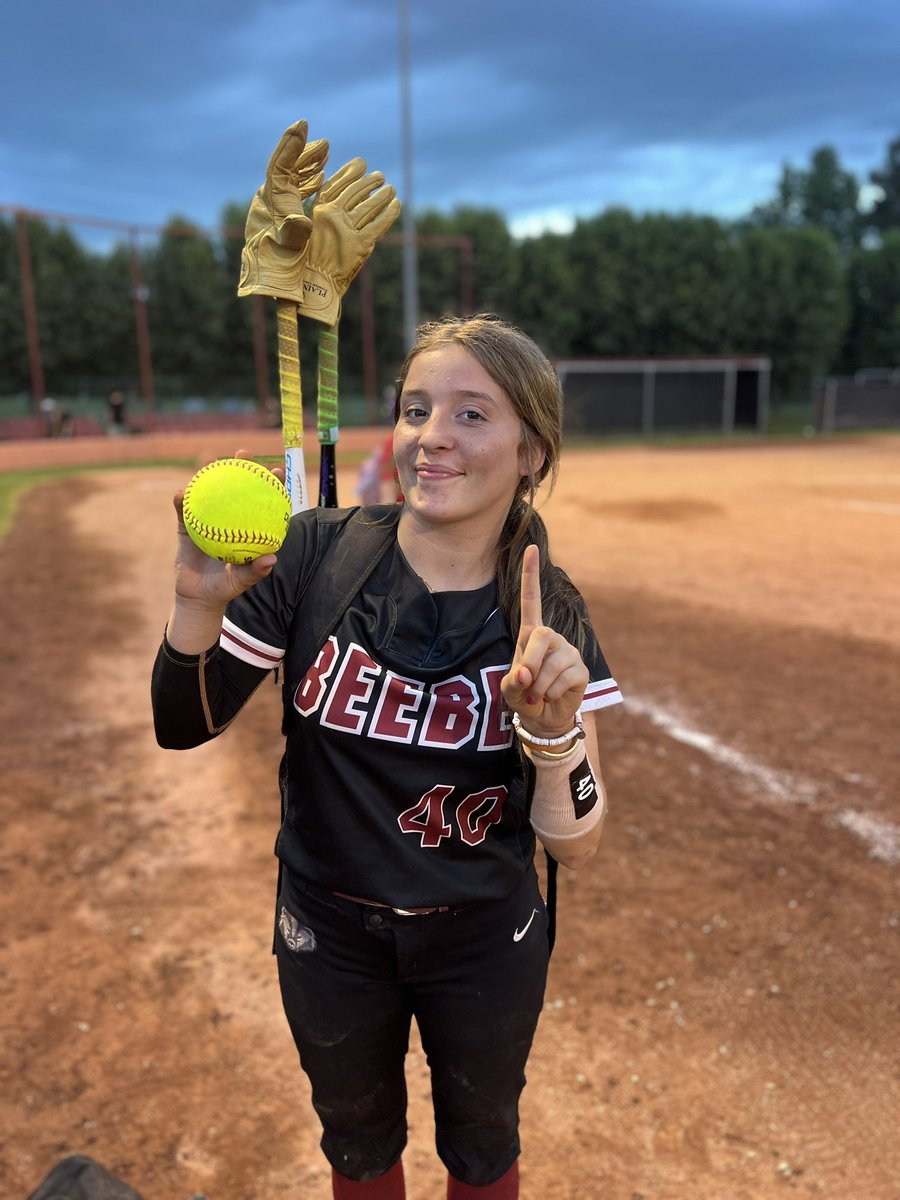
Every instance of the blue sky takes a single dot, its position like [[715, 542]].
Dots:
[[545, 112]]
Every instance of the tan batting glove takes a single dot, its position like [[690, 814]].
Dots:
[[351, 212], [278, 231]]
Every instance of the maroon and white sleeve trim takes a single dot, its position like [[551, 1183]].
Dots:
[[600, 693], [247, 648]]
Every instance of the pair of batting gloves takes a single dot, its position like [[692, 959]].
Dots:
[[313, 259]]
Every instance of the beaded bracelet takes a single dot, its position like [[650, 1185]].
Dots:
[[554, 756], [539, 743]]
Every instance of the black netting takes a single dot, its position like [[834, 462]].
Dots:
[[610, 401], [604, 401], [688, 400], [866, 405]]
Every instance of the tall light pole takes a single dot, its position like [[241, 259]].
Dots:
[[410, 259]]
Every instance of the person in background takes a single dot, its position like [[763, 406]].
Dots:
[[379, 481], [50, 413], [117, 413]]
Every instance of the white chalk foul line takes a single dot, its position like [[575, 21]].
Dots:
[[881, 837]]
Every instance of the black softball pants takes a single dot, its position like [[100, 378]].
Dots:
[[352, 978]]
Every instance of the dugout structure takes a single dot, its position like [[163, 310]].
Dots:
[[870, 399], [648, 396]]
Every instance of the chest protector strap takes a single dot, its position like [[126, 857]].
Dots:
[[349, 545]]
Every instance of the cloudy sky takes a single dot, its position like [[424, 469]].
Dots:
[[544, 111]]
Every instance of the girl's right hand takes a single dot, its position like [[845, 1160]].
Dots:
[[203, 582]]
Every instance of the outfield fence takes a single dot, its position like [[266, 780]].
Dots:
[[870, 399], [648, 396]]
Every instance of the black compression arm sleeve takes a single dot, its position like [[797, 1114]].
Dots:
[[196, 696]]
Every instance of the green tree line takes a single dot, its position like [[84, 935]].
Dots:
[[809, 278]]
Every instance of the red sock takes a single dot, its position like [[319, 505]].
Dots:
[[505, 1188], [389, 1186]]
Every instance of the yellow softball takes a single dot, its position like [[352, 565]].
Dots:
[[235, 510]]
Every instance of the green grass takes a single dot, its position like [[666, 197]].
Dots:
[[14, 484]]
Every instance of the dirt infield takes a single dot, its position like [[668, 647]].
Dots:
[[722, 1016]]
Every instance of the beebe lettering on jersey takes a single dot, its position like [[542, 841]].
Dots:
[[350, 692]]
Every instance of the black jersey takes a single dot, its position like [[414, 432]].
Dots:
[[403, 783]]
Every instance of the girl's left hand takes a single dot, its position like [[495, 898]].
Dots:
[[546, 682]]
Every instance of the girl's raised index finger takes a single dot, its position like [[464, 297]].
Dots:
[[530, 613]]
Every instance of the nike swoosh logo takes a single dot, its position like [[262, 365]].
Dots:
[[520, 933]]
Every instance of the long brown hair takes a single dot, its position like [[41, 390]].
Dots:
[[532, 386]]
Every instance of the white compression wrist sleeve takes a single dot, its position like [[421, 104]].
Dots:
[[568, 801]]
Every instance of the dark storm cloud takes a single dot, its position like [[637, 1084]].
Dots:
[[137, 112]]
